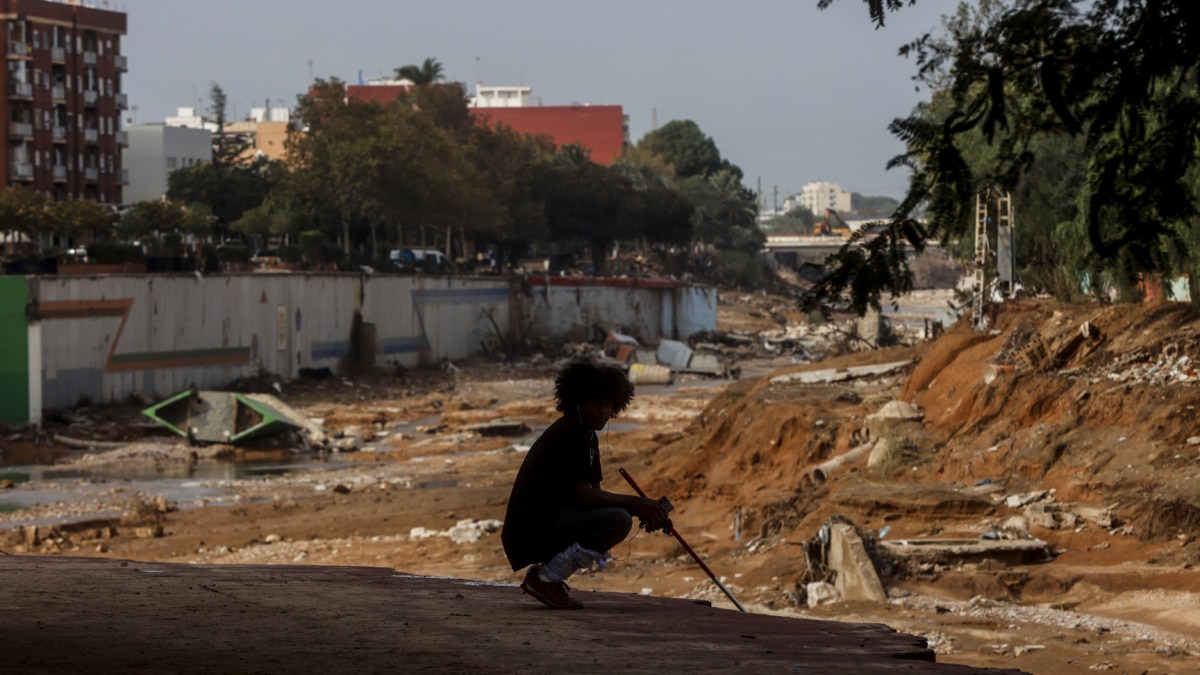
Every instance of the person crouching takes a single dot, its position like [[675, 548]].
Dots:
[[558, 519]]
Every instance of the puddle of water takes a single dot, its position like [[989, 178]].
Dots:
[[186, 484], [17, 477]]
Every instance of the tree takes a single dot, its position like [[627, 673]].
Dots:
[[799, 220], [337, 161], [227, 147], [429, 72], [585, 202], [75, 217], [23, 210], [685, 147], [160, 224], [226, 190], [1119, 75]]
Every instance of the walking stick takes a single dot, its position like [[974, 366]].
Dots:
[[675, 533]]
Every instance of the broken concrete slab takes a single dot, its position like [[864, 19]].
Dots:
[[856, 575], [708, 364], [829, 375], [1011, 552]]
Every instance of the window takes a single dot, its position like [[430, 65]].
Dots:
[[172, 163]]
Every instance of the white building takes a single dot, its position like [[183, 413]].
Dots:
[[821, 195], [502, 97], [154, 151], [188, 119]]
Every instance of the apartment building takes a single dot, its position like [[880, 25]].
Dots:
[[63, 99], [821, 195], [155, 151]]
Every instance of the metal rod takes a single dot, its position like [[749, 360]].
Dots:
[[674, 533]]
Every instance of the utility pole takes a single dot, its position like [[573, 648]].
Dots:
[[776, 199]]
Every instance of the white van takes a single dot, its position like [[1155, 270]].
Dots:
[[416, 255]]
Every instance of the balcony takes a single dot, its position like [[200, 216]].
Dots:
[[122, 100], [58, 93], [20, 129], [121, 63], [18, 49], [91, 174], [21, 170], [60, 173], [60, 133], [90, 97], [123, 139], [90, 135], [123, 176], [58, 54], [89, 58], [20, 89]]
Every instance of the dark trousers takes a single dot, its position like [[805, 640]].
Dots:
[[595, 529]]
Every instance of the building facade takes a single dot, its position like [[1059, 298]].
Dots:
[[63, 99], [602, 130], [154, 151], [821, 195]]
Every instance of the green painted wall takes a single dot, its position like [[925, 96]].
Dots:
[[14, 351]]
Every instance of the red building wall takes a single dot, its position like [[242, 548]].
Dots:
[[598, 128], [382, 94]]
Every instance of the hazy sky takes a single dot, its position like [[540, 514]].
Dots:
[[789, 93]]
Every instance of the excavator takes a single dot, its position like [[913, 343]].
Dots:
[[833, 225]]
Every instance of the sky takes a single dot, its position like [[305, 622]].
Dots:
[[789, 93]]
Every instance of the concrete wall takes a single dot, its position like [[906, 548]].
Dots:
[[649, 310], [104, 338], [107, 337]]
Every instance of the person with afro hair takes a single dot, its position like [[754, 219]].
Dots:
[[558, 519]]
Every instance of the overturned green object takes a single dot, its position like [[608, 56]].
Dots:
[[222, 416]]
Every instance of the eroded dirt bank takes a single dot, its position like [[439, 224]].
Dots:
[[1088, 443]]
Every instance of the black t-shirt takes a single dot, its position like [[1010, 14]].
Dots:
[[565, 455]]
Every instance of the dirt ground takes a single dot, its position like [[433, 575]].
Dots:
[[1088, 442]]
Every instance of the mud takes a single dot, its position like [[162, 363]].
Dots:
[[1107, 424]]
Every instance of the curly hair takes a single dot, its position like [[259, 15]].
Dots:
[[579, 381]]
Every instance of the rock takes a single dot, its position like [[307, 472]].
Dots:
[[1193, 440], [348, 444], [6, 484], [1016, 524], [29, 535], [272, 539], [341, 489], [150, 532], [820, 593]]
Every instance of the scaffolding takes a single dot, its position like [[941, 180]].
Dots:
[[1005, 245]]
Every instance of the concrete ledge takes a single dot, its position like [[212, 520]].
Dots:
[[103, 615]]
